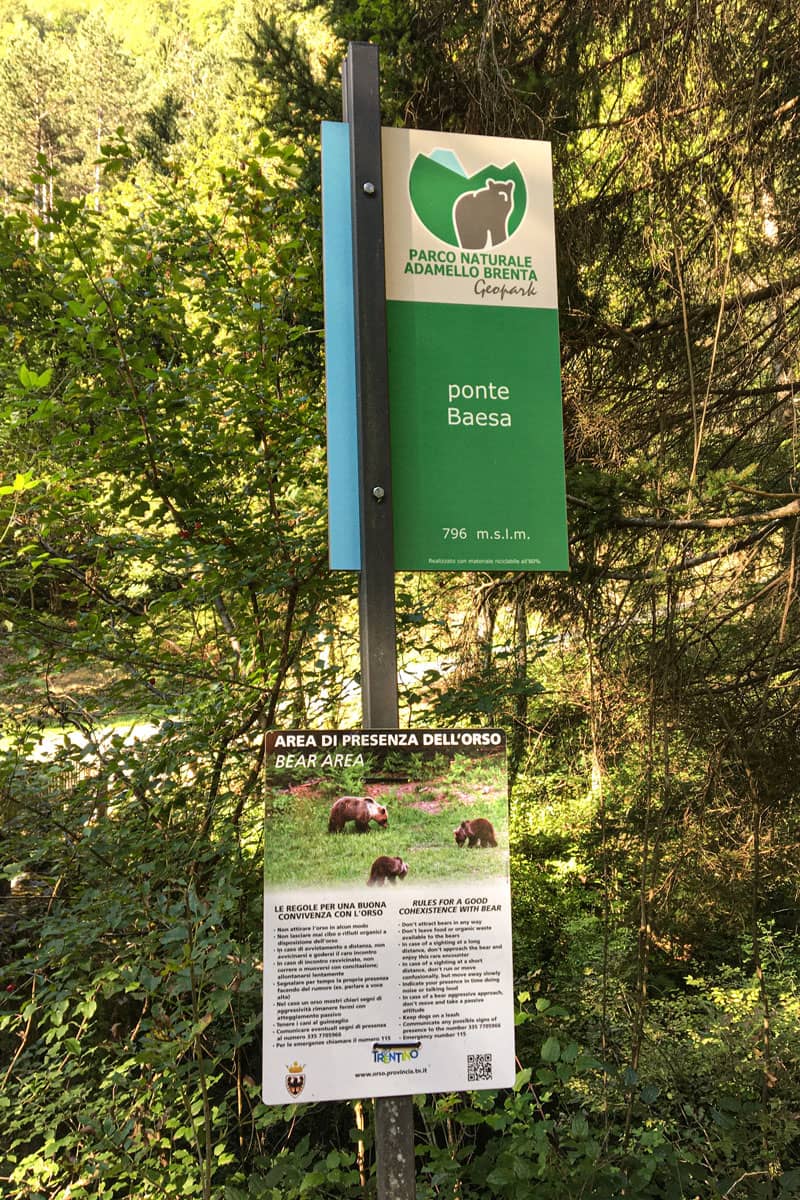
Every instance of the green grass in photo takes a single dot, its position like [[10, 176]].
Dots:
[[422, 818]]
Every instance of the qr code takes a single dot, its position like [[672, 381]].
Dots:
[[479, 1067]]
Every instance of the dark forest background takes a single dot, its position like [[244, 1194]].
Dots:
[[165, 598]]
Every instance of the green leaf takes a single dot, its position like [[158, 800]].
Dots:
[[23, 482], [469, 1116], [551, 1050], [311, 1179], [31, 381], [579, 1126]]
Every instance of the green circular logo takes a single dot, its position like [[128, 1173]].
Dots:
[[472, 213]]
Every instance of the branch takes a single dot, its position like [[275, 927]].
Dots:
[[230, 629], [784, 513], [685, 564], [65, 564], [701, 313]]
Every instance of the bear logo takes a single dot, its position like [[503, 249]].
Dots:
[[482, 216]]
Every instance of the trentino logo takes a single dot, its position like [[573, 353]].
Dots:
[[472, 213], [394, 1056], [395, 1052]]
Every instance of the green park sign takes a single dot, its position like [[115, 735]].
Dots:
[[473, 354]]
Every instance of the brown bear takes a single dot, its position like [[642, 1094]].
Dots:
[[484, 214], [479, 832], [385, 868], [360, 809]]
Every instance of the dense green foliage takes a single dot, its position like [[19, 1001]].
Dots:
[[162, 560]]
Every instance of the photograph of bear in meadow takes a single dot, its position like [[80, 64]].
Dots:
[[394, 815], [359, 809], [387, 867], [478, 832]]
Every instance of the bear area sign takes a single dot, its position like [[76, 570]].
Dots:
[[473, 353], [387, 914]]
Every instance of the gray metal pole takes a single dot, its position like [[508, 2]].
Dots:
[[394, 1117], [378, 643]]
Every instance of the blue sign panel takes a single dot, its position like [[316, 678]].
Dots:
[[344, 538]]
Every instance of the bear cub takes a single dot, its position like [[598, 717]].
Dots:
[[479, 832], [387, 867]]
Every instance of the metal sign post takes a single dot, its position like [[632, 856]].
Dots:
[[394, 1132]]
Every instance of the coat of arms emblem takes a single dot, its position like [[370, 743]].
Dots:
[[295, 1079]]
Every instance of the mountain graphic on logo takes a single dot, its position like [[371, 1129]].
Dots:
[[449, 159], [472, 213]]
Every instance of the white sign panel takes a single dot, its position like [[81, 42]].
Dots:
[[387, 917], [468, 220]]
